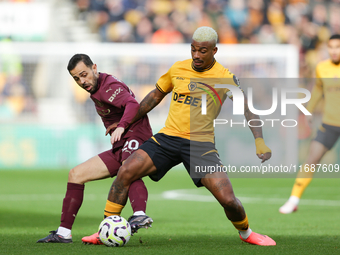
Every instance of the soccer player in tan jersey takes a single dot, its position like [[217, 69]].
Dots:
[[188, 137], [328, 88]]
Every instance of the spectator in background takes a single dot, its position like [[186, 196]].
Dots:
[[167, 32], [275, 14], [226, 32], [236, 12], [13, 92], [144, 30], [319, 15], [334, 18]]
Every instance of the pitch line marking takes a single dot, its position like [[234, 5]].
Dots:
[[180, 194], [189, 195]]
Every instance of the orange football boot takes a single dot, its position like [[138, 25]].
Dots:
[[259, 239], [92, 239]]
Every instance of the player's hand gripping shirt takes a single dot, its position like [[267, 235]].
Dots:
[[327, 85], [115, 102], [185, 118]]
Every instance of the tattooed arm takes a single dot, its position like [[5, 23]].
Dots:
[[262, 151], [148, 103], [255, 125]]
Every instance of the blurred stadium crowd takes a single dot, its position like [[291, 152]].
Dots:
[[306, 24]]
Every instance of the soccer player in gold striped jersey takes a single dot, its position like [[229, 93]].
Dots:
[[188, 136], [327, 86]]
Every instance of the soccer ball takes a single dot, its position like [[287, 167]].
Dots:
[[114, 231]]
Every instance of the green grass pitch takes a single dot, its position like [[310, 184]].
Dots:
[[189, 221]]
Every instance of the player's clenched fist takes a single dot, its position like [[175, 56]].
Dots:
[[262, 150]]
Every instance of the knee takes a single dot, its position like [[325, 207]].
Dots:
[[75, 177], [125, 175], [229, 202]]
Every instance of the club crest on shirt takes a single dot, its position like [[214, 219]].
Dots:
[[236, 80], [192, 86], [103, 112]]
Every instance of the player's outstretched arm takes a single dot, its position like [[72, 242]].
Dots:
[[262, 150], [148, 103]]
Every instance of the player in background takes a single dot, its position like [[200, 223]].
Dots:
[[188, 136], [328, 88], [114, 102]]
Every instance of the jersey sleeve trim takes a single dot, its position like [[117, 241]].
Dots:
[[160, 89]]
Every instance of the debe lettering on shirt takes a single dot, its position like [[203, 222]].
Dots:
[[185, 118]]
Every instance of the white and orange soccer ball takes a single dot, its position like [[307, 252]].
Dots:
[[114, 231]]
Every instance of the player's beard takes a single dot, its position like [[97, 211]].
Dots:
[[336, 62], [95, 84], [199, 66]]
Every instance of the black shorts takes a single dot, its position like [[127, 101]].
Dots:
[[327, 135], [168, 151]]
